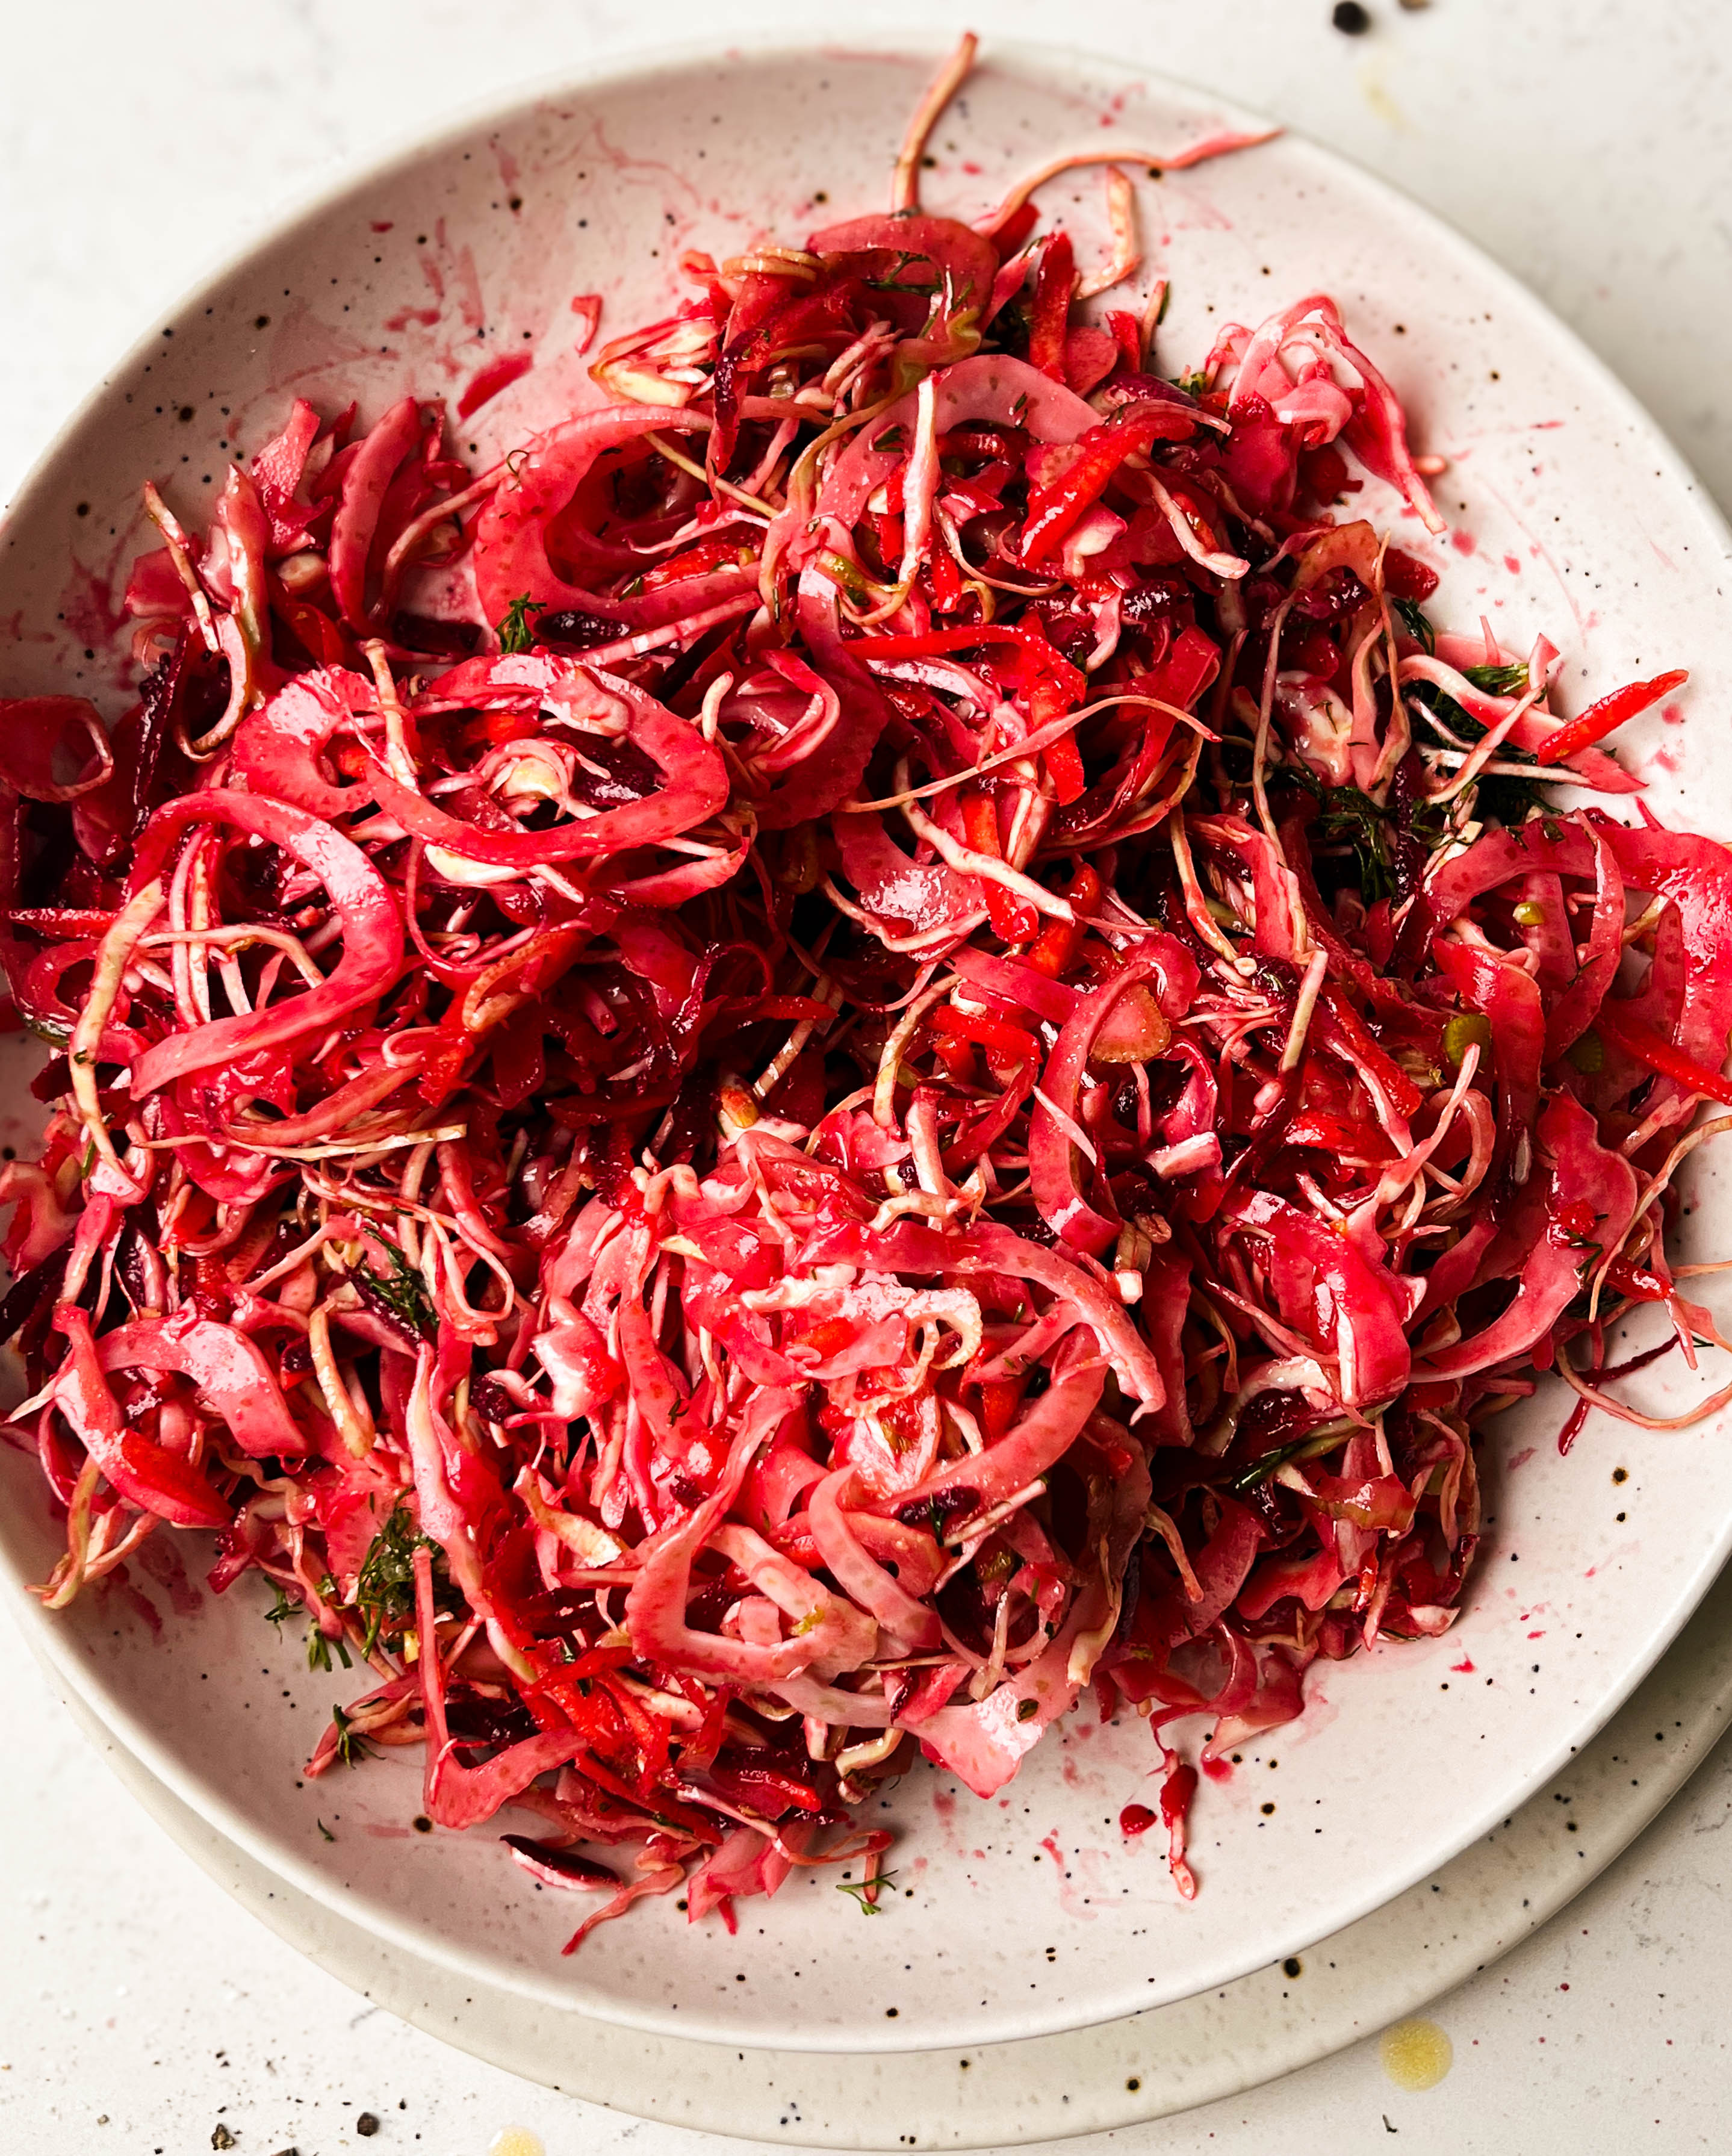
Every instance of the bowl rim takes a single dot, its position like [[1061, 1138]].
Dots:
[[298, 209], [1105, 2077]]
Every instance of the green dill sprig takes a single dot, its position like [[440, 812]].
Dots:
[[1428, 702], [318, 1646], [385, 1586], [404, 1293], [1498, 680], [319, 1650], [1311, 1446], [1504, 798], [350, 1749], [1351, 815], [893, 283], [383, 1597], [861, 1889], [1408, 613], [514, 633], [1348, 814]]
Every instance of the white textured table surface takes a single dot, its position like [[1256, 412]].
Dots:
[[1583, 142]]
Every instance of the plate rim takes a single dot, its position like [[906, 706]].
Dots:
[[298, 208], [1695, 1678]]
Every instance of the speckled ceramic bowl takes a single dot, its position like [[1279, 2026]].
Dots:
[[1027, 1914]]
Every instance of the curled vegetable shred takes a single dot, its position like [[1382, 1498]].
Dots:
[[880, 1035]]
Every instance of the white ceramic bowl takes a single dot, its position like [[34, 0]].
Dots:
[[1027, 1914]]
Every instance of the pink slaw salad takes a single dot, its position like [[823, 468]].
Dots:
[[879, 1038]]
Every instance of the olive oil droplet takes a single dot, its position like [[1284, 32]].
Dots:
[[515, 2141], [1416, 2055]]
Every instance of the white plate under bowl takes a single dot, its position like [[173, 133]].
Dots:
[[1027, 1915], [1395, 1962]]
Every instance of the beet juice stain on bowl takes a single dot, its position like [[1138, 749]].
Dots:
[[939, 1051]]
